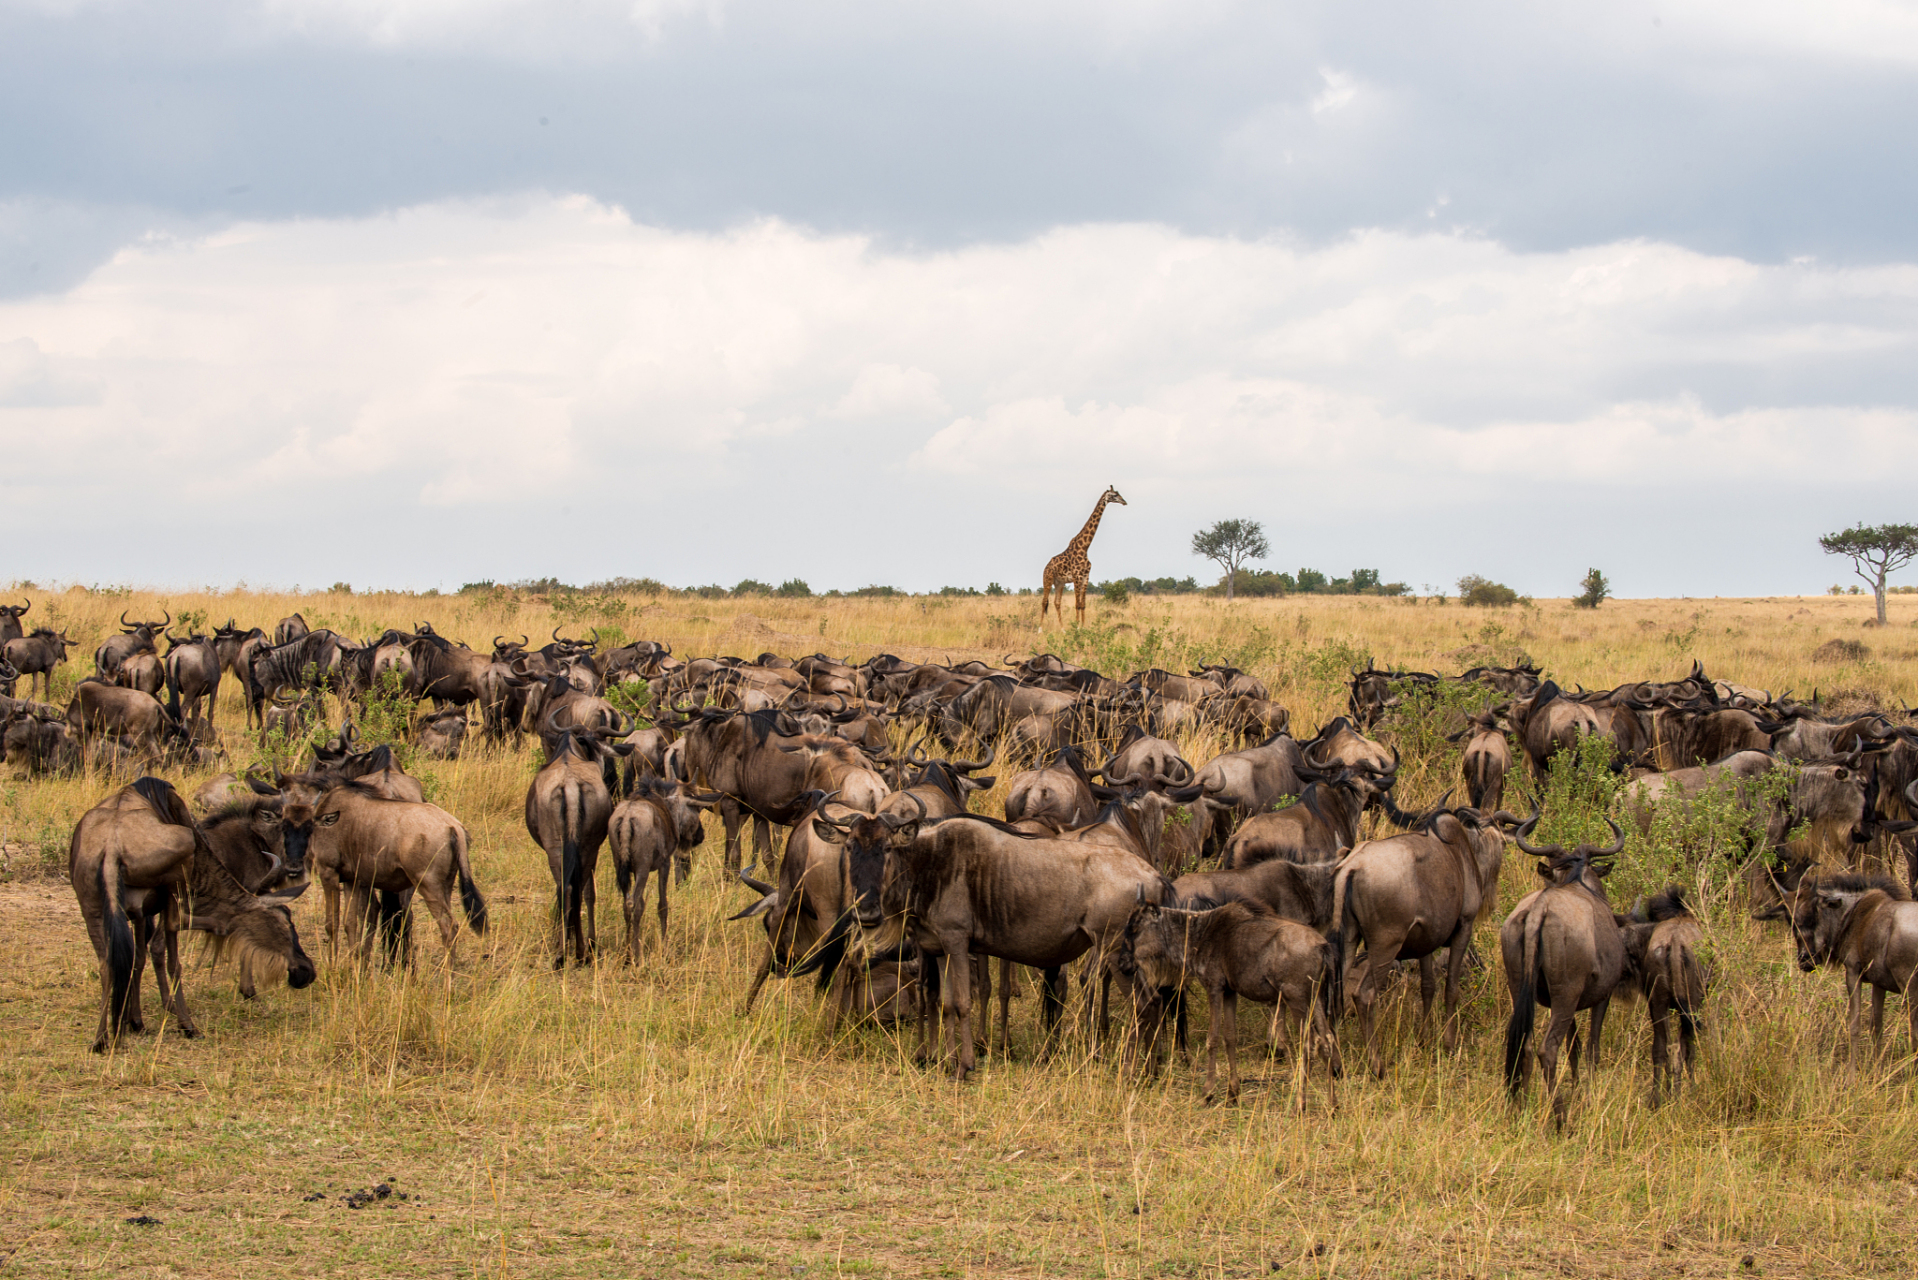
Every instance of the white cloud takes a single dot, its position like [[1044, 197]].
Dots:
[[448, 361]]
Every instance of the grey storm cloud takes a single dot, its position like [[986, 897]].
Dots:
[[946, 124]]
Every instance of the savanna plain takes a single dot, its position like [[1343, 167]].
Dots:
[[630, 1120]]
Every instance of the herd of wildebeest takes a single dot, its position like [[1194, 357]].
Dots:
[[1244, 875]]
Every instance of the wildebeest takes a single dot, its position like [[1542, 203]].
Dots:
[[10, 615], [1300, 891], [653, 830], [1661, 946], [140, 869], [1868, 925], [378, 853], [143, 671], [1238, 784], [192, 680], [1239, 949], [136, 719], [1059, 794], [567, 808], [1323, 823], [439, 735], [290, 628], [1375, 692], [1486, 761], [1139, 759], [1408, 896], [134, 638], [970, 886], [36, 656], [1561, 948]]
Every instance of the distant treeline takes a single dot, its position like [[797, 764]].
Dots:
[[1251, 582]]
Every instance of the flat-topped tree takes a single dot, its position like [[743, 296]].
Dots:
[[1230, 543], [1876, 552]]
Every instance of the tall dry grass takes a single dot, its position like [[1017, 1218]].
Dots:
[[625, 1120]]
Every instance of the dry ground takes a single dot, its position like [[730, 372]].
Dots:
[[629, 1121]]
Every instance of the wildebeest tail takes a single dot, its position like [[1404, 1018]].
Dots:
[[471, 899], [1331, 991], [120, 946], [1518, 1032]]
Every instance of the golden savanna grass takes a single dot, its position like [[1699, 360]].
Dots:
[[629, 1121]]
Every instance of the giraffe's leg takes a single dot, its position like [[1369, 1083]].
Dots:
[[1079, 599]]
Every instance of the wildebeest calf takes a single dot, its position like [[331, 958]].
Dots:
[[1239, 949], [1661, 948]]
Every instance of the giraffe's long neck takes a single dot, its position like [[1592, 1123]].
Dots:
[[1084, 539]]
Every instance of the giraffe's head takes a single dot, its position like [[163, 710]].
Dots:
[[1112, 495]]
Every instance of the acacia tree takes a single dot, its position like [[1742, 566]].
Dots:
[[1231, 543], [1876, 552]]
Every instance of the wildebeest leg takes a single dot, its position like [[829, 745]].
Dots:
[[1052, 1003], [589, 906], [439, 904], [931, 984], [1428, 988], [145, 940], [1005, 1006], [957, 1004], [1380, 963], [762, 840], [1456, 953], [173, 984], [1599, 1011], [665, 875], [1555, 1032], [732, 816], [1877, 1020], [982, 998], [1854, 1011], [97, 934]]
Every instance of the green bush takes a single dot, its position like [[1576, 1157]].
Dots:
[[1474, 589]]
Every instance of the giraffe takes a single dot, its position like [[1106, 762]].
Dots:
[[1072, 566]]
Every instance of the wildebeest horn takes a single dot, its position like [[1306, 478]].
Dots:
[[1537, 851], [556, 639], [123, 620], [26, 604], [896, 823], [757, 886], [967, 766], [1616, 845], [169, 620]]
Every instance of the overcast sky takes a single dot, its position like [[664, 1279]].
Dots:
[[418, 292]]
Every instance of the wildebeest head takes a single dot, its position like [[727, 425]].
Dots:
[[1587, 864], [864, 840], [10, 615], [1820, 907]]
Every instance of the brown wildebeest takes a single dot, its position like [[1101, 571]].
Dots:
[[1662, 943], [143, 671], [223, 789], [568, 806], [140, 870], [738, 755], [1405, 898], [1239, 949], [134, 638], [1373, 692], [10, 615], [1238, 784], [1300, 891], [653, 830], [1561, 948], [440, 735], [290, 628], [1869, 925], [1340, 745], [1321, 825], [36, 656], [102, 710], [192, 675], [1487, 759], [379, 852], [1140, 759], [1059, 794], [37, 741], [970, 885]]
